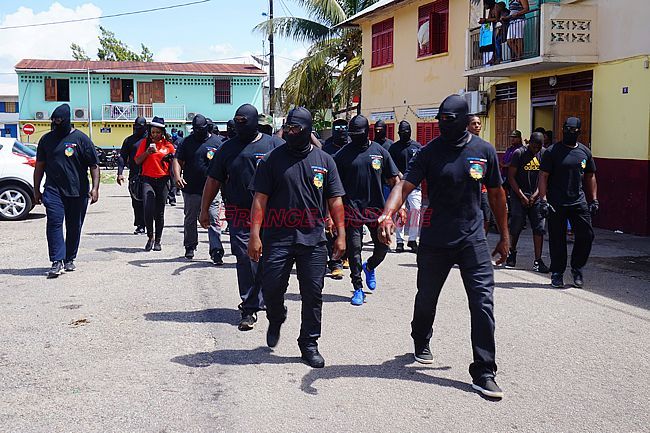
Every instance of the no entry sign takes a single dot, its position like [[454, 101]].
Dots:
[[28, 129]]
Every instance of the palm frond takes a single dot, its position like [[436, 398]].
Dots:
[[330, 12], [299, 29]]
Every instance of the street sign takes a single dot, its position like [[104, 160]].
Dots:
[[28, 129]]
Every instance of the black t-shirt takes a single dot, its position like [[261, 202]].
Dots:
[[361, 173], [403, 152], [330, 148], [197, 156], [234, 165], [386, 144], [566, 167], [128, 150], [454, 175], [67, 161], [298, 190], [527, 165]]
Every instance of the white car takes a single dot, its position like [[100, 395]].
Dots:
[[17, 163]]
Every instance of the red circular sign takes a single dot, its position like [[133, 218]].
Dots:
[[28, 129]]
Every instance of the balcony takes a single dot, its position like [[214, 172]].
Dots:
[[125, 112], [554, 36]]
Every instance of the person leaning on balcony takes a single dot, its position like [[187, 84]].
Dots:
[[516, 27], [155, 155]]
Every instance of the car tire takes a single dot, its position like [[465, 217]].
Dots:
[[15, 203]]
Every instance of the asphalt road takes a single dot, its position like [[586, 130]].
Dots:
[[147, 342]]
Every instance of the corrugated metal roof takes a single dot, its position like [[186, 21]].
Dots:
[[139, 67]]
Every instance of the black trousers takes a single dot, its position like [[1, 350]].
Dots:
[[154, 194], [331, 263], [473, 260], [248, 272], [354, 240], [310, 267], [580, 219], [138, 212]]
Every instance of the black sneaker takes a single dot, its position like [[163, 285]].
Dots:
[[149, 245], [488, 387], [577, 278], [56, 269], [423, 354], [273, 333], [217, 257], [247, 321], [189, 253], [157, 246], [540, 266], [400, 248], [138, 231], [172, 203], [511, 261], [557, 280], [69, 266], [312, 357], [413, 245]]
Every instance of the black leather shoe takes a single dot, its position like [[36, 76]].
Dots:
[[312, 357], [157, 246], [273, 333], [149, 245]]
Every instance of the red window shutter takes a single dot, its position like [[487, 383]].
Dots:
[[382, 43], [436, 130], [222, 91], [371, 133], [419, 134], [390, 133], [439, 26]]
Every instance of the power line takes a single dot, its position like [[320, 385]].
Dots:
[[106, 16]]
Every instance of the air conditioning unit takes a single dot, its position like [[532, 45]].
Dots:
[[477, 101], [80, 114], [41, 115], [190, 116]]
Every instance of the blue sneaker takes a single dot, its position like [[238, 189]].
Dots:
[[358, 298], [370, 276]]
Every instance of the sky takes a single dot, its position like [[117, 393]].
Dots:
[[210, 31]]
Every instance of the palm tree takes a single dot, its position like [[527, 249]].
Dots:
[[328, 78]]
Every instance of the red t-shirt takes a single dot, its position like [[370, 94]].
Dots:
[[153, 165]]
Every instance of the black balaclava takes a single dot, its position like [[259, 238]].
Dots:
[[380, 131], [247, 131], [140, 127], [340, 138], [210, 125], [63, 128], [299, 144], [230, 128], [200, 127], [358, 129], [454, 131], [404, 131], [569, 137]]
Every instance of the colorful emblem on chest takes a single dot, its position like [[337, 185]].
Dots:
[[477, 168], [210, 153], [583, 164], [69, 149], [258, 157], [319, 176], [375, 161]]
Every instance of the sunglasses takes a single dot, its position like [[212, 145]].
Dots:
[[294, 129], [340, 127]]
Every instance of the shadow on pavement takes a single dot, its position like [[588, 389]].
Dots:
[[35, 216], [212, 315], [327, 297], [260, 355], [120, 250], [188, 264], [27, 272], [113, 234], [397, 368]]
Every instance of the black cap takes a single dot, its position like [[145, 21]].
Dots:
[[358, 125]]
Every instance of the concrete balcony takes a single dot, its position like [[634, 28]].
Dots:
[[125, 112], [554, 36]]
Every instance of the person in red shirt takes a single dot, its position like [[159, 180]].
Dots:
[[155, 155]]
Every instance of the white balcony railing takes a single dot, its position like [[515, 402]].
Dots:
[[128, 112]]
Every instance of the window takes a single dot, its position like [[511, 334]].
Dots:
[[222, 91], [426, 131], [57, 90], [8, 107], [121, 90], [433, 24], [382, 43]]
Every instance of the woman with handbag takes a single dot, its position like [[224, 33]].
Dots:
[[155, 155]]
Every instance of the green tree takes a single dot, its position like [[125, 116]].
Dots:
[[111, 48], [329, 77]]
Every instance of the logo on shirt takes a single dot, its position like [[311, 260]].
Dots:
[[210, 153], [533, 165], [69, 149], [375, 161], [258, 157], [476, 168], [319, 176], [583, 164]]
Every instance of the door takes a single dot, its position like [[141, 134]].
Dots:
[[506, 122], [158, 91], [575, 104], [145, 99], [116, 90]]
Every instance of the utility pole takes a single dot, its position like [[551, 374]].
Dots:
[[271, 61]]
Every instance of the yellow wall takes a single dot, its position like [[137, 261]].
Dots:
[[119, 131], [411, 82], [620, 123]]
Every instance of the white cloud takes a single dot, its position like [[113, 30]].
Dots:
[[221, 50], [169, 54], [47, 42]]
